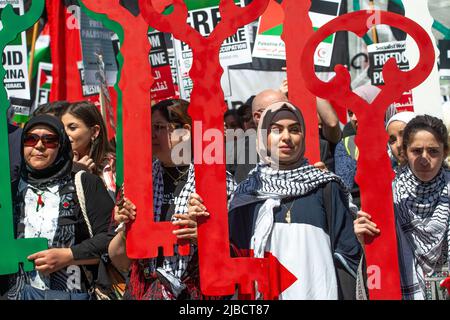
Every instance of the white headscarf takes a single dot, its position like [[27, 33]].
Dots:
[[405, 117]]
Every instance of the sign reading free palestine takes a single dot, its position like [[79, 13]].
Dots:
[[268, 42]]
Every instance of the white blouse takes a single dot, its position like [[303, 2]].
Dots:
[[41, 222]]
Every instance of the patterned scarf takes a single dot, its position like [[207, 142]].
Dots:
[[271, 186], [264, 182], [175, 265], [422, 215]]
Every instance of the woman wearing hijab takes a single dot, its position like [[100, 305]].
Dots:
[[295, 211], [46, 205], [422, 211], [395, 127]]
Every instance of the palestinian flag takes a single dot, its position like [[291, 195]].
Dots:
[[320, 13], [45, 79], [42, 49], [272, 20], [268, 43], [43, 84]]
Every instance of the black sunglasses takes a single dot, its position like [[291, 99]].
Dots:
[[50, 141]]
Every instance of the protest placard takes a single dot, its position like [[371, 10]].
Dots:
[[268, 43], [43, 83], [15, 59], [204, 15]]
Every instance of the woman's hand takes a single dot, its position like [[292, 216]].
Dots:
[[125, 212], [188, 222], [321, 166], [84, 163], [363, 226], [52, 260]]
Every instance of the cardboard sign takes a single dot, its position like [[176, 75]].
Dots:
[[14, 59], [96, 39], [380, 53], [204, 16], [405, 103], [159, 59], [268, 43], [87, 89], [43, 83], [444, 48]]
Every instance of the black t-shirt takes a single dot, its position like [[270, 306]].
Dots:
[[174, 179]]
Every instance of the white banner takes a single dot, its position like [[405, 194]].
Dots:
[[14, 59]]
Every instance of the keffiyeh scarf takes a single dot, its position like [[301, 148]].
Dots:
[[271, 186], [422, 215], [175, 265]]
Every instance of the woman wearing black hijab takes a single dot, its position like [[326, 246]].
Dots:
[[46, 205]]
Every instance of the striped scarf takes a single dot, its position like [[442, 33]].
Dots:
[[422, 216], [265, 182], [175, 265]]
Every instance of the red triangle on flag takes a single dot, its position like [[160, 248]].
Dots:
[[43, 78], [272, 17]]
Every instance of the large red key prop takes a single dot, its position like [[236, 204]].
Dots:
[[374, 173], [219, 273], [299, 95], [144, 235]]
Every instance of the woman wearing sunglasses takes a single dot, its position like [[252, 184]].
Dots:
[[87, 133], [46, 205]]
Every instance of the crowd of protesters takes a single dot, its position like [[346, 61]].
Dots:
[[307, 214]]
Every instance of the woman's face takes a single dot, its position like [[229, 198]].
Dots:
[[41, 145], [395, 132], [80, 135], [425, 155], [285, 139], [165, 138]]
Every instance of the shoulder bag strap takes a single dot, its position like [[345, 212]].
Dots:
[[82, 200]]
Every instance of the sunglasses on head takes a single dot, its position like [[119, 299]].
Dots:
[[50, 141]]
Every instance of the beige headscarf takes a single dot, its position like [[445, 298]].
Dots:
[[264, 129]]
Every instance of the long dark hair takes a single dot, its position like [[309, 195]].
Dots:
[[91, 116]]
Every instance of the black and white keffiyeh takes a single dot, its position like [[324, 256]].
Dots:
[[270, 182], [265, 182], [177, 264], [271, 186], [422, 216]]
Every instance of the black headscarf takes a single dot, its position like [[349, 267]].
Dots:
[[61, 168]]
